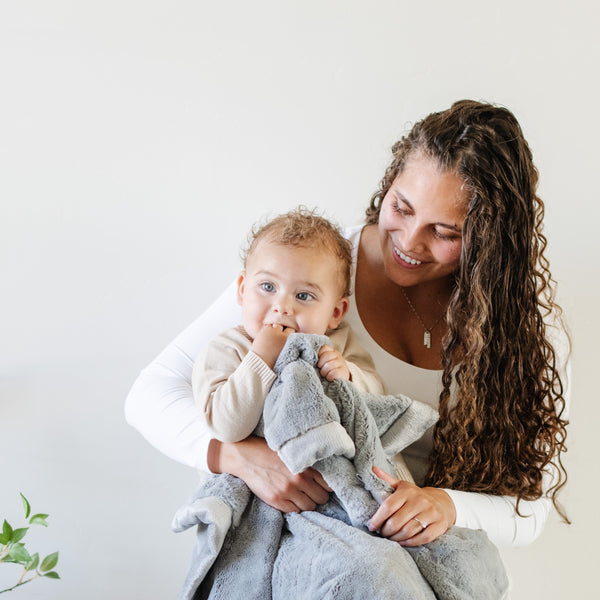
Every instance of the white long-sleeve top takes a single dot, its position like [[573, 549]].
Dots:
[[161, 407]]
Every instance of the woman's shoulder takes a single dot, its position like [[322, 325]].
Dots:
[[352, 233]]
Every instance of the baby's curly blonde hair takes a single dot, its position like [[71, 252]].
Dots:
[[303, 227]]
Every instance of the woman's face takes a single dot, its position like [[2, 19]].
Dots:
[[420, 223]]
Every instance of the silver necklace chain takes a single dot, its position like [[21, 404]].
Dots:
[[428, 330]]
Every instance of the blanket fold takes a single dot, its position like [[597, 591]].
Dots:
[[246, 549]]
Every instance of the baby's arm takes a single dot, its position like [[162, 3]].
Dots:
[[230, 384], [232, 378]]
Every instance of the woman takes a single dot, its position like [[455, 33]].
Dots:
[[453, 299]]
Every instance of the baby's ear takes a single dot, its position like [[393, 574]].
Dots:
[[339, 312], [241, 282]]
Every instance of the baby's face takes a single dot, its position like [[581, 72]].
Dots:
[[291, 286]]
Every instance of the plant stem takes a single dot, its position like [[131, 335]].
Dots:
[[14, 587]]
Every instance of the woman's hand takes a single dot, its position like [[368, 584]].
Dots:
[[412, 515], [267, 476]]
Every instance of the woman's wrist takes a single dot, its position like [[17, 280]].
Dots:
[[213, 457], [449, 508], [226, 457]]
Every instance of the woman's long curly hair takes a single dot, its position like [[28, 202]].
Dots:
[[501, 429]]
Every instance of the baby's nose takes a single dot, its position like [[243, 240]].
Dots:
[[283, 306]]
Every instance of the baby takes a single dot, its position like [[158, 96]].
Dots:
[[296, 278]]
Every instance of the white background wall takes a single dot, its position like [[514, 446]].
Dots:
[[138, 142]]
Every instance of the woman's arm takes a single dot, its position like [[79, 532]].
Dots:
[[160, 404], [497, 516], [414, 516]]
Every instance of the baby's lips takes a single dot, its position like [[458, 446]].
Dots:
[[282, 325]]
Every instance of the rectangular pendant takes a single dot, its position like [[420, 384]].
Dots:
[[427, 339]]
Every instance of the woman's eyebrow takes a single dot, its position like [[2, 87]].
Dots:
[[453, 227]]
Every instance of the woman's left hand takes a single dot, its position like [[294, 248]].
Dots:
[[411, 515]]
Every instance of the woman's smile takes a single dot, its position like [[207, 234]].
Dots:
[[405, 259]]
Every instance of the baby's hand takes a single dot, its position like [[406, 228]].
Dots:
[[269, 342], [332, 364]]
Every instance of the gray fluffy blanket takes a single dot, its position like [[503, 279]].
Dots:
[[246, 549]]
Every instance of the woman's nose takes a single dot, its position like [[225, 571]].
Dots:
[[412, 239]]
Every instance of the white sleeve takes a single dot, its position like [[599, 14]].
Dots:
[[497, 517], [160, 405]]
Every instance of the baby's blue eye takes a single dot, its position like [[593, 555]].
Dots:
[[303, 296], [267, 286]]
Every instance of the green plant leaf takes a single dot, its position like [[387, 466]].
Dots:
[[4, 539], [49, 562], [52, 575], [26, 506], [19, 534], [39, 519], [7, 531], [33, 564], [18, 553]]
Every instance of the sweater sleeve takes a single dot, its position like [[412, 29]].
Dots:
[[230, 384], [160, 404]]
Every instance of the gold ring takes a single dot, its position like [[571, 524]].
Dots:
[[423, 525]]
